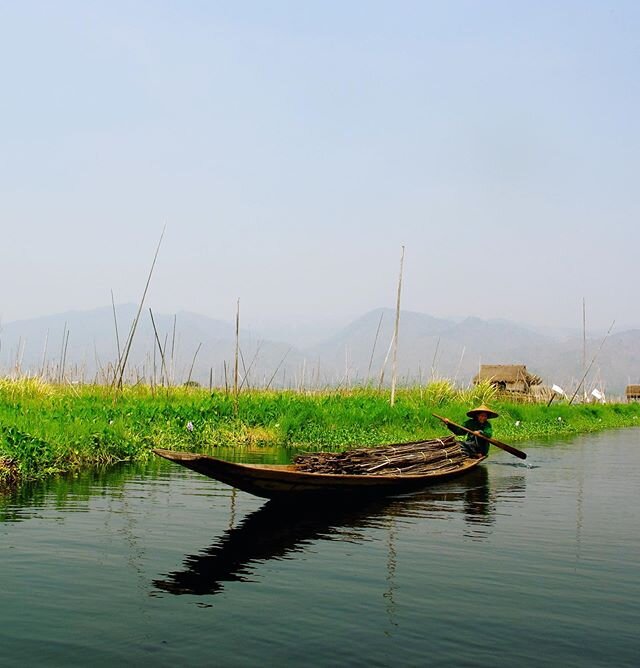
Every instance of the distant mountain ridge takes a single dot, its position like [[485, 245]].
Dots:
[[203, 349]]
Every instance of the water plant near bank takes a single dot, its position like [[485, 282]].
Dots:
[[47, 428]]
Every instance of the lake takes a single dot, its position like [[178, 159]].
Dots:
[[516, 564]]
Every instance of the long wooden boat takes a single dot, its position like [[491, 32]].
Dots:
[[274, 481]]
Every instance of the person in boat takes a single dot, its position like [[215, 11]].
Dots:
[[478, 422]]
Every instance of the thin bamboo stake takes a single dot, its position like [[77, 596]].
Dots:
[[153, 379], [235, 367], [435, 356], [98, 364], [244, 372], [173, 346], [584, 335], [384, 364], [155, 331], [302, 375], [277, 369], [122, 362], [164, 352], [20, 355], [584, 339], [455, 378], [591, 364], [247, 370], [346, 366], [64, 334], [115, 322], [64, 357], [44, 354], [193, 362], [395, 337]]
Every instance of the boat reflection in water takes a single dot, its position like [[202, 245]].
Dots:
[[278, 529]]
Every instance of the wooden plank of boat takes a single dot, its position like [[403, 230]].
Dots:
[[277, 480]]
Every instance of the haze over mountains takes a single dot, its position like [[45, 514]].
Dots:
[[202, 349]]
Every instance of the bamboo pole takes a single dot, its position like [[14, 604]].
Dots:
[[164, 353], [244, 371], [115, 322], [64, 356], [22, 344], [395, 336], [173, 346], [153, 381], [386, 359], [155, 331], [64, 334], [278, 369], [435, 356], [122, 362], [248, 369], [44, 354], [235, 366], [455, 378], [584, 338], [193, 362], [592, 361], [346, 366]]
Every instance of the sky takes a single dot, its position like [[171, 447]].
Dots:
[[290, 150]]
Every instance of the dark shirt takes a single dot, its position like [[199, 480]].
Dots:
[[478, 445]]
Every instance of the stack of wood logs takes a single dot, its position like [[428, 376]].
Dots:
[[441, 455]]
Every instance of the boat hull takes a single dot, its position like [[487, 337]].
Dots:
[[277, 481]]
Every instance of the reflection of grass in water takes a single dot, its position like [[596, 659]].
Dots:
[[49, 428]]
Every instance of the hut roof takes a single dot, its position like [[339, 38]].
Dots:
[[633, 389], [506, 373]]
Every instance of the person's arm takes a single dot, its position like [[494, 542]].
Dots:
[[487, 430], [478, 429], [455, 429]]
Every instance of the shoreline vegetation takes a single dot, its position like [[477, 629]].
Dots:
[[48, 429]]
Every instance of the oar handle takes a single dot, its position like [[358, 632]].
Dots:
[[508, 448]]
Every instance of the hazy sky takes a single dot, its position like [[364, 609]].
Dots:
[[291, 148]]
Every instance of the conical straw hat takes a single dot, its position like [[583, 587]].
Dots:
[[482, 409]]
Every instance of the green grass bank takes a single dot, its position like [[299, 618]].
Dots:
[[47, 429]]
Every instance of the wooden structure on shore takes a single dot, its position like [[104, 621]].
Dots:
[[513, 379], [633, 392]]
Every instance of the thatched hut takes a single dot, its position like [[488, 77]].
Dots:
[[508, 377], [633, 392]]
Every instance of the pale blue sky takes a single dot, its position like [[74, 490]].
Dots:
[[291, 148]]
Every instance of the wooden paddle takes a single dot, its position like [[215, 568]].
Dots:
[[508, 448]]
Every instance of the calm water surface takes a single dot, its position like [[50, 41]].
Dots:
[[513, 565]]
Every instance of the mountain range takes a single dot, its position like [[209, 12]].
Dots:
[[202, 349]]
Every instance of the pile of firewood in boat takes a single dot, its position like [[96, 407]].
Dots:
[[441, 455]]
